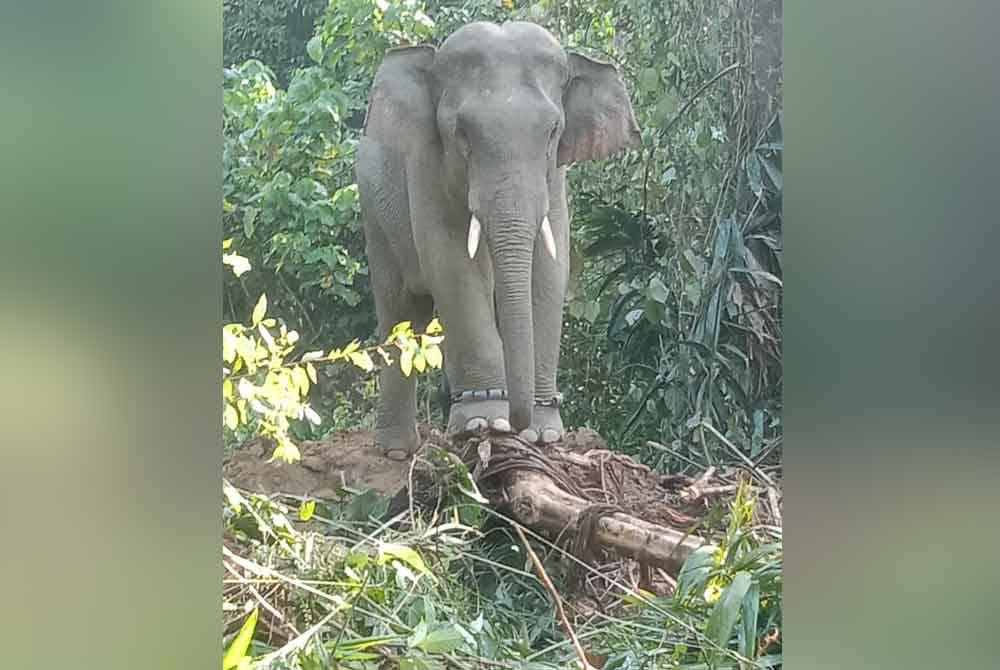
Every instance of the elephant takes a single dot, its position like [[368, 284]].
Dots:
[[461, 174]]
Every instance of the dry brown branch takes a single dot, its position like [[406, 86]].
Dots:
[[696, 490], [544, 577]]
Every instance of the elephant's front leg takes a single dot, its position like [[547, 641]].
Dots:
[[473, 352], [548, 287]]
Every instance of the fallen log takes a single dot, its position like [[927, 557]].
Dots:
[[564, 493], [537, 502], [591, 500]]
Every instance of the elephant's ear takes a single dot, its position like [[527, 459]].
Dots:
[[599, 116], [400, 109]]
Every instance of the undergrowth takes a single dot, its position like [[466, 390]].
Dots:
[[311, 585]]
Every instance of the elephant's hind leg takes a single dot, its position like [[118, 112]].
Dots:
[[396, 415]]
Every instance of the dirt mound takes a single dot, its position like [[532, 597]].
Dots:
[[343, 459], [581, 463]]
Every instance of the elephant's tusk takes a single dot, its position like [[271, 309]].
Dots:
[[548, 238], [475, 228]]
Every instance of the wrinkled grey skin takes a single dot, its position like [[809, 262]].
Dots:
[[483, 126]]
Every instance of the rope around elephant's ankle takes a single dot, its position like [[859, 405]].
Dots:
[[500, 394], [488, 394], [554, 401]]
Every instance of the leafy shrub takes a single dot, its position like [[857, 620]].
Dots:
[[263, 391], [270, 31]]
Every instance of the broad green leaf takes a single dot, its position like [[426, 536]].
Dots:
[[250, 220], [696, 570], [658, 290], [314, 48], [727, 610], [306, 510], [649, 80], [664, 110], [238, 648], [440, 640], [751, 607], [259, 310]]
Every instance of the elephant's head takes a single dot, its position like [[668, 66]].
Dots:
[[502, 108]]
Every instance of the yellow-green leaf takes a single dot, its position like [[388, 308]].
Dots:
[[260, 309], [238, 648], [301, 380], [434, 327], [306, 510], [401, 552], [311, 371], [406, 361], [239, 264], [230, 417], [285, 451], [227, 389], [433, 356], [227, 243], [402, 327], [418, 361], [363, 360], [641, 597], [228, 346]]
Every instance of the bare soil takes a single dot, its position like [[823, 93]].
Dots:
[[349, 459], [346, 459]]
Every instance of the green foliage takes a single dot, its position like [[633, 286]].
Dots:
[[741, 580], [435, 592], [263, 392], [290, 202], [271, 31]]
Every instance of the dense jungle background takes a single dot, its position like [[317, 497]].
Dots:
[[671, 352]]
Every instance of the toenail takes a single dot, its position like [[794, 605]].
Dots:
[[501, 425], [550, 435], [476, 424], [529, 435]]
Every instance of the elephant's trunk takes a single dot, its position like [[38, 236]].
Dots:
[[511, 239]]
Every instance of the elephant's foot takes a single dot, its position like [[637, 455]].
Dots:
[[472, 415], [546, 425], [396, 446]]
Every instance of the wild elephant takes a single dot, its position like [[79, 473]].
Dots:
[[461, 173]]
